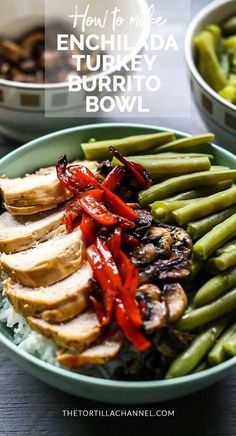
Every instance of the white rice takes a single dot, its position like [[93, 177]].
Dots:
[[25, 337]]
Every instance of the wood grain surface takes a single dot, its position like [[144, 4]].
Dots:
[[29, 407]]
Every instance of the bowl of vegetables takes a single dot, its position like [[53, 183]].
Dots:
[[34, 90], [176, 328], [210, 50]]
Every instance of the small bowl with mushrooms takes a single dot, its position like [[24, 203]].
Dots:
[[34, 91]]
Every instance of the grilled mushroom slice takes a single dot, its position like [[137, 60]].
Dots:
[[145, 220], [144, 254], [181, 242], [176, 300], [161, 237], [157, 313], [176, 268]]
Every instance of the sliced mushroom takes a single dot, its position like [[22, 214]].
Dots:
[[161, 237], [145, 220], [181, 242], [176, 268], [10, 51], [176, 300], [144, 254], [157, 313]]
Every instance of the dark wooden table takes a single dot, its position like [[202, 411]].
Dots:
[[29, 407]]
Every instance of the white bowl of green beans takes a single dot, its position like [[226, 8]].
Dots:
[[210, 50]]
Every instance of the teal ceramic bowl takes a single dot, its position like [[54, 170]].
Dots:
[[43, 152]]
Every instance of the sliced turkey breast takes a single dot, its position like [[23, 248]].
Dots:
[[97, 354], [40, 188], [19, 233], [76, 334], [48, 262], [30, 210], [55, 303]]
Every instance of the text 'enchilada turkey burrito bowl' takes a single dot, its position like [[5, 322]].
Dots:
[[118, 261], [210, 51], [34, 73]]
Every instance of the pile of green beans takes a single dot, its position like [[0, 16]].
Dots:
[[163, 190], [193, 191], [216, 57]]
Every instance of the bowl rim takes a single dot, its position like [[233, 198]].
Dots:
[[62, 85], [94, 381], [189, 52]]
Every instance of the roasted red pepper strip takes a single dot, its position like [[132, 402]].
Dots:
[[99, 309], [114, 177], [72, 213], [114, 243], [109, 294], [114, 276], [132, 281], [135, 170], [123, 265], [130, 275], [134, 336], [130, 240], [83, 176], [119, 206], [97, 211], [96, 193], [65, 179], [87, 226], [127, 294], [126, 291], [109, 264]]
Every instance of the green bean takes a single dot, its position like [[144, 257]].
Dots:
[[230, 345], [214, 239], [215, 287], [218, 168], [210, 312], [171, 167], [162, 210], [98, 150], [184, 143], [206, 206], [198, 193], [193, 355], [197, 229], [165, 189], [228, 93], [226, 248], [229, 26], [216, 32], [225, 64], [167, 156], [201, 367], [218, 354], [224, 261], [208, 64], [230, 44]]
